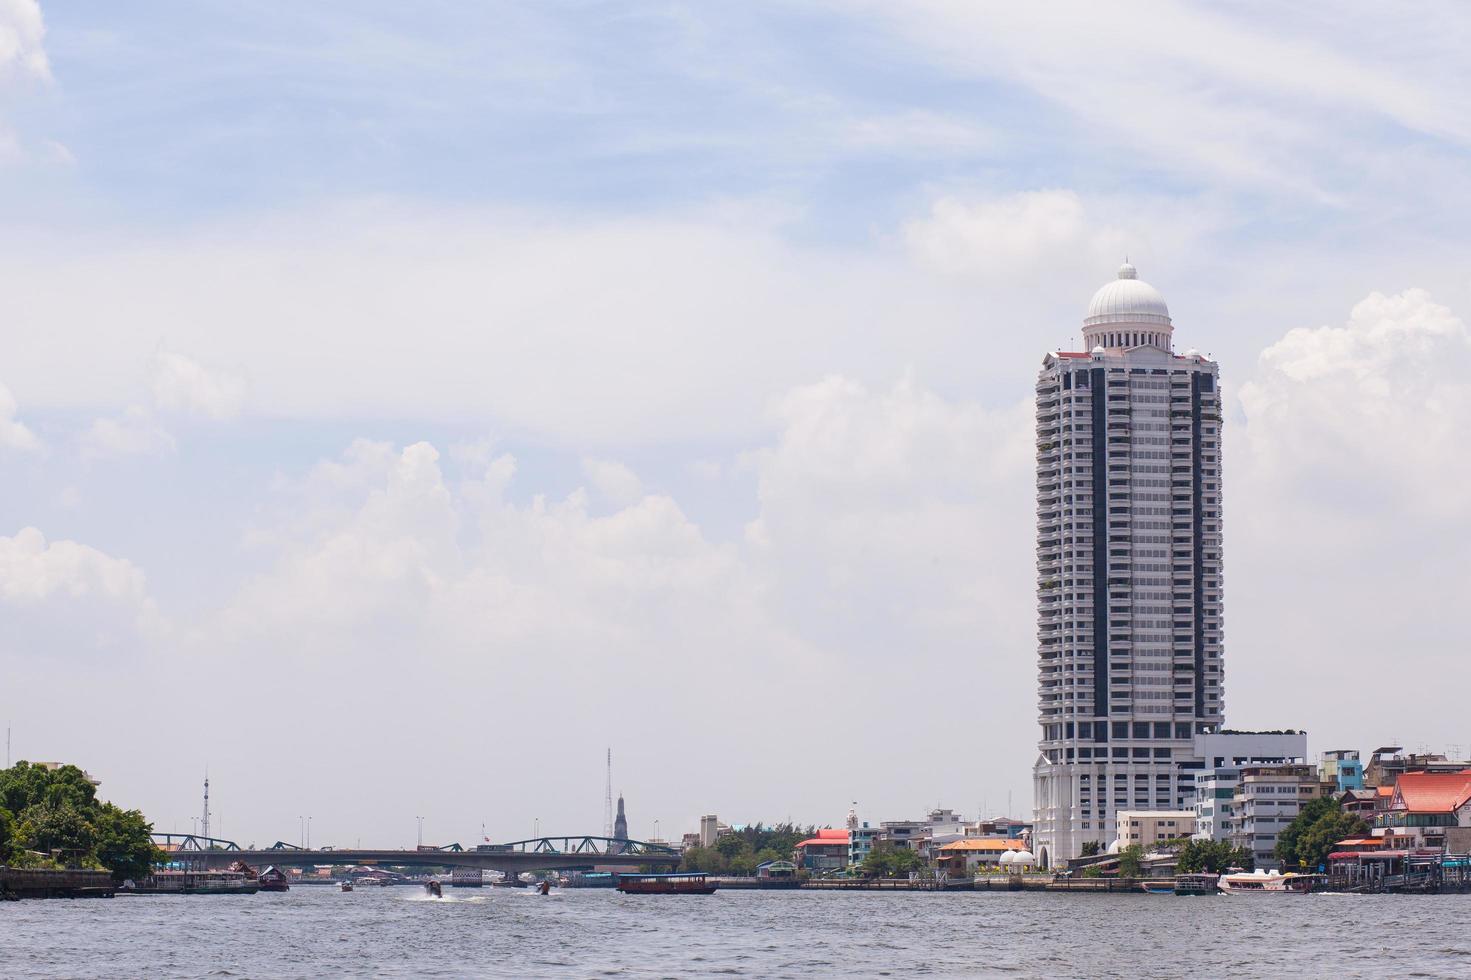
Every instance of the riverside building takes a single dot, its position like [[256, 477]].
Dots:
[[1128, 571]]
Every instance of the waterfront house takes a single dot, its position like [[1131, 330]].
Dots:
[[1428, 810], [827, 850], [776, 870], [969, 855]]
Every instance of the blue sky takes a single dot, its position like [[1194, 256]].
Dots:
[[574, 351]]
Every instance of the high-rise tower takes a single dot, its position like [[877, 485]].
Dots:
[[1128, 570]]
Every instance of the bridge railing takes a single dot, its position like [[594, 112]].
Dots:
[[582, 845], [193, 842]]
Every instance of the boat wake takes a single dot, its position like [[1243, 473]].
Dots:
[[446, 900]]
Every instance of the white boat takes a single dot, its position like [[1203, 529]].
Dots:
[[1261, 882]]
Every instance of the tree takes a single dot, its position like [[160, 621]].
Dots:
[[57, 810], [1210, 856], [729, 845], [124, 842], [1306, 842], [62, 828], [706, 859], [26, 784], [1131, 860], [1091, 848], [888, 861]]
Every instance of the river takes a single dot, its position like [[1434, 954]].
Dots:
[[315, 931]]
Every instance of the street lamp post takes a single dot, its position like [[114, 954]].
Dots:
[[308, 833], [301, 831], [421, 830]]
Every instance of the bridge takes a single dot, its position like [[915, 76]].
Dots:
[[535, 854]]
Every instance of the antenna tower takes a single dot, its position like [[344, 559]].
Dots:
[[608, 799], [204, 821]]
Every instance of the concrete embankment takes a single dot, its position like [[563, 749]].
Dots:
[[44, 883]]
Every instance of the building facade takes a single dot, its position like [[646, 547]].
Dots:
[[1267, 799], [1128, 570], [1343, 768], [1149, 827], [1221, 758]]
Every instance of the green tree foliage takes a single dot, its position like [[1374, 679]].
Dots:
[[739, 852], [61, 828], [56, 811], [24, 784], [1130, 860], [1211, 856], [887, 861], [1091, 848], [1306, 842], [123, 843], [7, 825]]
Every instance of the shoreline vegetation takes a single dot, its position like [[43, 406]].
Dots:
[[51, 819]]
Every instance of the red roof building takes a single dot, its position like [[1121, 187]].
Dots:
[[827, 850], [1427, 807]]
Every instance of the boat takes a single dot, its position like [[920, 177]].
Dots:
[[1161, 886], [510, 879], [273, 879], [1199, 883], [682, 883], [347, 886], [195, 883], [1261, 882]]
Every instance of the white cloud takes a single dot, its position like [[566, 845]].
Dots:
[[62, 600], [33, 570], [134, 433], [1346, 522], [1251, 94], [614, 481], [13, 433], [182, 384], [21, 32]]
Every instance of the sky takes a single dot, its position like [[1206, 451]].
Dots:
[[402, 405]]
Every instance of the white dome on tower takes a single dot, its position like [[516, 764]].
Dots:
[[1127, 300]]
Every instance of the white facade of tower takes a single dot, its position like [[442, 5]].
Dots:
[[1128, 571]]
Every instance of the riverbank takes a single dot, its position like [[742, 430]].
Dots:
[[17, 883]]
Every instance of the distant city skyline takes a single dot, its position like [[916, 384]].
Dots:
[[396, 408]]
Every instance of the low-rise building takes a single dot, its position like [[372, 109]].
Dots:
[[1428, 810], [1343, 768], [1266, 801], [971, 854], [860, 841], [1222, 756], [1148, 827], [826, 850]]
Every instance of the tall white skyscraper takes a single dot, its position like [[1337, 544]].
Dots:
[[1128, 570]]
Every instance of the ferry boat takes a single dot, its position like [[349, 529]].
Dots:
[[1161, 886], [1261, 882], [195, 883], [347, 885], [688, 883], [1198, 883]]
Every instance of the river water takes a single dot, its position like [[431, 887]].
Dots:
[[315, 931]]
